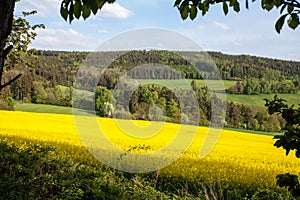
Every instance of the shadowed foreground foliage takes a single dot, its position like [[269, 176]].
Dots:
[[39, 172], [33, 170], [290, 140]]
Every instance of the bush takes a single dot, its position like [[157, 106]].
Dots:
[[119, 114], [7, 104], [37, 172]]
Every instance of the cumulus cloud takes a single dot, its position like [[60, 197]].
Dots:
[[65, 39], [115, 10], [102, 31], [45, 7], [221, 26]]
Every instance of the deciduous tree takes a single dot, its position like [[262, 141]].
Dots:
[[15, 35], [290, 140]]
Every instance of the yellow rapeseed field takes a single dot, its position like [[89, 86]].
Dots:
[[238, 158]]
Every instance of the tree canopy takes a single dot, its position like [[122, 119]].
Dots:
[[16, 34], [289, 9]]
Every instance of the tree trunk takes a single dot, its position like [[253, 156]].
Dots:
[[6, 20]]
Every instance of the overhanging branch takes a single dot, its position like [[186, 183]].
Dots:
[[10, 81]]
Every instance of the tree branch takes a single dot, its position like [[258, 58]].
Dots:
[[7, 50], [10, 81], [6, 16]]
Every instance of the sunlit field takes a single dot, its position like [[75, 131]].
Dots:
[[238, 158]]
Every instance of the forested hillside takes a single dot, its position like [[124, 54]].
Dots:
[[51, 81], [59, 67]]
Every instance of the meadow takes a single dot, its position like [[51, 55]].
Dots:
[[183, 83], [247, 162], [257, 100]]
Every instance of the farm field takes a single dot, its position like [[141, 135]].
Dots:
[[240, 159], [45, 108], [258, 100], [184, 83]]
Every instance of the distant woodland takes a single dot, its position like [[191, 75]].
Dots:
[[51, 82]]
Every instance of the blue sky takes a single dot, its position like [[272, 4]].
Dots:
[[248, 32]]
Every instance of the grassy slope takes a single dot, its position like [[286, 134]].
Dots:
[[259, 99], [185, 83], [41, 108]]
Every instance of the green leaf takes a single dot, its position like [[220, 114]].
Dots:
[[29, 13], [279, 23], [94, 6], [290, 9], [193, 12], [205, 7], [268, 7], [293, 21], [184, 11], [64, 13], [38, 26], [225, 7], [77, 9], [100, 4], [86, 11], [277, 3], [236, 7]]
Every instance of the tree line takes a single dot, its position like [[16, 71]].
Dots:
[[51, 82], [158, 103], [254, 86]]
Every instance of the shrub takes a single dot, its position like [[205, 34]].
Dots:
[[38, 172]]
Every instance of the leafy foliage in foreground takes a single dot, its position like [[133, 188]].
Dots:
[[290, 140], [288, 8], [39, 172], [31, 170], [71, 9]]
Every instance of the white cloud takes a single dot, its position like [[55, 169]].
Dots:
[[293, 56], [221, 26], [43, 8], [115, 10], [102, 31], [62, 39]]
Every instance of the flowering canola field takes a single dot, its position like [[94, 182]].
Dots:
[[237, 158]]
